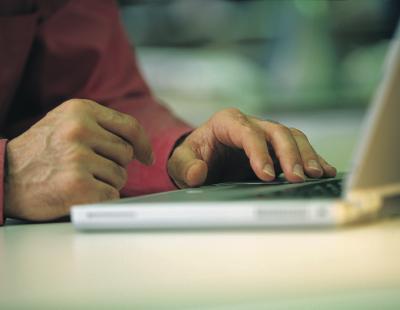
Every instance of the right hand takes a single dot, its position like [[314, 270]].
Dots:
[[76, 154]]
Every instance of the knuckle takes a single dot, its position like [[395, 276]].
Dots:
[[127, 153], [109, 193], [236, 114], [232, 110], [74, 130], [228, 112], [125, 150], [73, 105], [133, 124], [281, 129], [78, 156], [77, 182], [76, 105], [123, 175], [297, 132], [120, 175], [247, 129]]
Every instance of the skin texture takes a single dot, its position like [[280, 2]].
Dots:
[[234, 146], [76, 154]]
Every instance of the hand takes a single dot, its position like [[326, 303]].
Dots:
[[76, 154], [231, 146]]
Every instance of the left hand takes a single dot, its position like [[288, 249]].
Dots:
[[232, 146]]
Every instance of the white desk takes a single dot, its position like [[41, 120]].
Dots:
[[53, 265]]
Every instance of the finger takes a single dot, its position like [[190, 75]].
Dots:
[[309, 157], [255, 147], [111, 146], [329, 170], [186, 168], [126, 127], [107, 171], [234, 129], [84, 188], [286, 150], [104, 191]]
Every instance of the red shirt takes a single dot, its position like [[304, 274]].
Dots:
[[54, 50]]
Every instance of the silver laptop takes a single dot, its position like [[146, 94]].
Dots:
[[371, 190]]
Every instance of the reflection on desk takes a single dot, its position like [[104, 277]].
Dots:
[[53, 266]]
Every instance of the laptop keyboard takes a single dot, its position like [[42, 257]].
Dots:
[[329, 189]]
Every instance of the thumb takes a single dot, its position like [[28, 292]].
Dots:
[[186, 167]]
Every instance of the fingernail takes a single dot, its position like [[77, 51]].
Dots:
[[298, 170], [268, 169], [312, 164]]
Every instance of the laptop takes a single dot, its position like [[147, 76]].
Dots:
[[371, 190]]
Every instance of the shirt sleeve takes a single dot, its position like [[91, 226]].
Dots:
[[3, 144], [121, 87], [85, 53]]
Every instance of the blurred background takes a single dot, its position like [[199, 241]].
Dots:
[[312, 64]]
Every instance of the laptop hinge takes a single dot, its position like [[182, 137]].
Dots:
[[372, 201]]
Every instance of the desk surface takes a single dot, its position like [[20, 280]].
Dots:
[[53, 265]]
